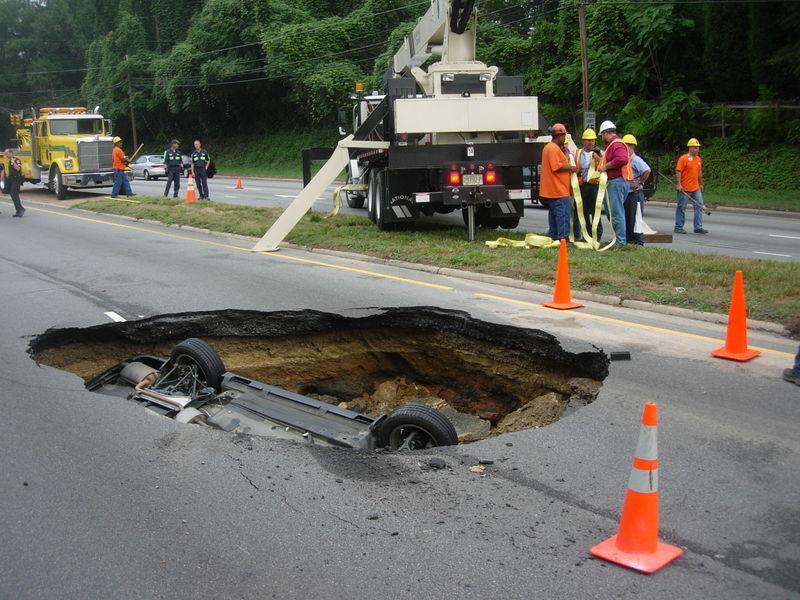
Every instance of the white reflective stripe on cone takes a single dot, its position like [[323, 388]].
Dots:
[[647, 446], [644, 481]]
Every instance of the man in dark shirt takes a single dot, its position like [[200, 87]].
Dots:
[[615, 160], [14, 180], [173, 161], [200, 159]]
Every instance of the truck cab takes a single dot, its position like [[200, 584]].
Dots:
[[68, 147]]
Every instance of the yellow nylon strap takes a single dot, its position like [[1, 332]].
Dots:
[[337, 196], [533, 240]]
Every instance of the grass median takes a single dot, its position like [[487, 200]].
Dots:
[[659, 275]]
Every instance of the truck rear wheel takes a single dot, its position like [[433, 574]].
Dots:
[[57, 184], [381, 206], [371, 195], [354, 199]]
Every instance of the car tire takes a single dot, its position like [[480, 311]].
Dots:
[[204, 356], [146, 175], [57, 183], [429, 426]]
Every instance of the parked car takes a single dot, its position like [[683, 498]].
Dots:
[[187, 167], [193, 386], [149, 166]]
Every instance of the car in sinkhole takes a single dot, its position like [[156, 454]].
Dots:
[[193, 386]]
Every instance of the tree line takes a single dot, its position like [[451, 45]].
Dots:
[[231, 67]]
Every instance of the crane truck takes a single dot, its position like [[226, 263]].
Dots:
[[460, 132], [64, 147], [456, 135]]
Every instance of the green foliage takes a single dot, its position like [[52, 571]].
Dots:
[[227, 67]]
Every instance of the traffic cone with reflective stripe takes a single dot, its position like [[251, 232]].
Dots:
[[735, 347], [636, 543], [239, 183], [190, 195], [562, 296]]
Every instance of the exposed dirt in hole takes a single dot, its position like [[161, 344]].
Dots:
[[487, 378]]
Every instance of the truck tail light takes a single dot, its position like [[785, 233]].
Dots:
[[455, 178], [490, 177], [403, 137]]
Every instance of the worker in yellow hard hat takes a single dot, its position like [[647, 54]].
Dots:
[[634, 202], [689, 175], [119, 163], [587, 159]]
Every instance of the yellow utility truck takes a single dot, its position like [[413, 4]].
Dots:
[[64, 148]]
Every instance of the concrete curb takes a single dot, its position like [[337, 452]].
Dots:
[[737, 209], [499, 280]]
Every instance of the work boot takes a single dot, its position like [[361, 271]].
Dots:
[[19, 213], [680, 230], [701, 230], [791, 376]]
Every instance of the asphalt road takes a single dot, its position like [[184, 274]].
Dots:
[[733, 234], [101, 498]]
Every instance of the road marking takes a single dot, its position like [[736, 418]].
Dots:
[[284, 196], [241, 249], [228, 196], [115, 317], [772, 254], [354, 270], [653, 328], [788, 237]]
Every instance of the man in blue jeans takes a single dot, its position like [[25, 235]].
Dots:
[[554, 183], [793, 375], [119, 163], [616, 160], [689, 173]]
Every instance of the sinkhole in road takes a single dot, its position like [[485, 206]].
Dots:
[[487, 378]]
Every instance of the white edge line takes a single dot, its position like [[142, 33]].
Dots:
[[772, 254], [284, 196], [787, 237], [115, 317]]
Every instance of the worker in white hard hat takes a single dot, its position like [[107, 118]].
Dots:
[[587, 159], [616, 165]]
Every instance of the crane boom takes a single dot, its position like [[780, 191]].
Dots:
[[444, 30]]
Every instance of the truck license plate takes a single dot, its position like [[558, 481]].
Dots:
[[473, 179]]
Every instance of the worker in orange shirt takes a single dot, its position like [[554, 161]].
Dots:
[[119, 163], [689, 175], [554, 183]]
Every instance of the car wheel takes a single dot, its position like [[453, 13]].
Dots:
[[416, 427], [146, 175], [194, 352], [57, 184]]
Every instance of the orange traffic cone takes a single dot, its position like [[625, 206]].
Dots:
[[239, 183], [562, 296], [735, 347], [636, 543], [190, 195]]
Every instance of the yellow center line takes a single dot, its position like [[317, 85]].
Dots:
[[241, 249], [653, 328]]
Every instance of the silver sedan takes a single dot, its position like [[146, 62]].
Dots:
[[150, 166]]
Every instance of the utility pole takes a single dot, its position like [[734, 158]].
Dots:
[[584, 56], [130, 104]]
